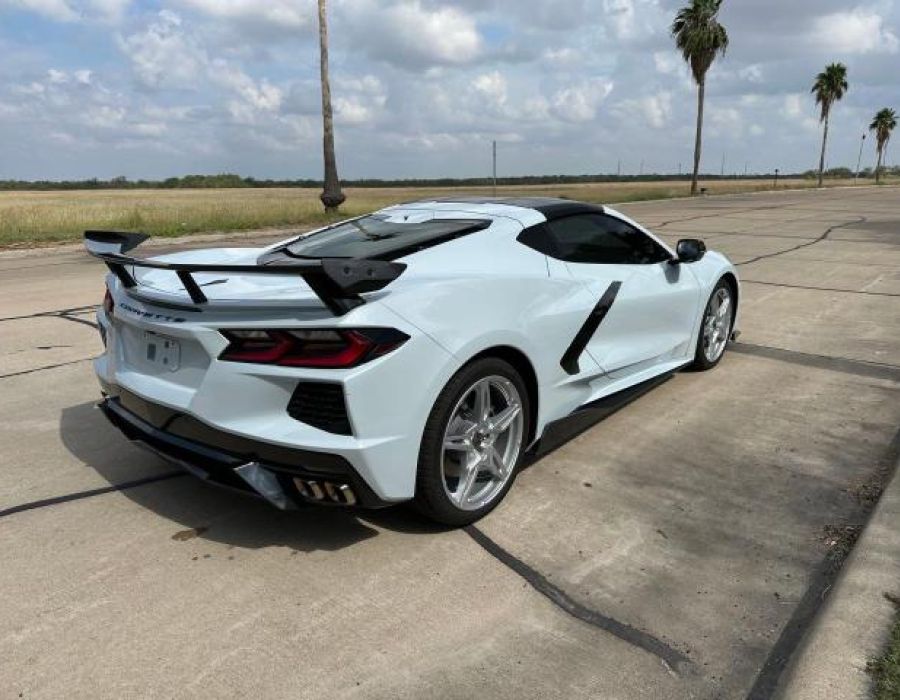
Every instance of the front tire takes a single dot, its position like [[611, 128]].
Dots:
[[715, 330], [473, 443]]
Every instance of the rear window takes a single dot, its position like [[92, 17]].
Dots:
[[379, 237]]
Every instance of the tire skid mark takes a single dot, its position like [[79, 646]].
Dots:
[[674, 660]]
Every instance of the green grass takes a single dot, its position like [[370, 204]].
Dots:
[[40, 218], [886, 670]]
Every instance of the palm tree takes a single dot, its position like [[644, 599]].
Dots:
[[830, 86], [331, 196], [700, 38], [883, 124]]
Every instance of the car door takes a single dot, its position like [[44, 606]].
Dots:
[[650, 305]]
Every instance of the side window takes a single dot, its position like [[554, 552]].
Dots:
[[601, 239]]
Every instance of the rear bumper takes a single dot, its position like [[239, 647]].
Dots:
[[386, 401], [276, 473]]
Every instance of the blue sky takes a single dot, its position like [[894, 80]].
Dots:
[[101, 88]]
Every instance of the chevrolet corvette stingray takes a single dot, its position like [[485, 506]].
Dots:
[[416, 353]]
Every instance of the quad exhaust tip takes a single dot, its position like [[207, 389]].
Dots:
[[325, 491]]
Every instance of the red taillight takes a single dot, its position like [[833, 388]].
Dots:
[[108, 303], [325, 348]]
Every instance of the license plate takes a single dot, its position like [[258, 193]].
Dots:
[[162, 351]]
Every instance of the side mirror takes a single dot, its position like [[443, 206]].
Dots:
[[689, 250]]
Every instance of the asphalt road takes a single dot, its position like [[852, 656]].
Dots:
[[677, 549]]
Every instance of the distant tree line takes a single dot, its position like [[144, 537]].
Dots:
[[230, 180]]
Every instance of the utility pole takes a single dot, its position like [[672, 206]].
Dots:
[[679, 168], [859, 160], [495, 168], [722, 174], [642, 166], [746, 165], [776, 178]]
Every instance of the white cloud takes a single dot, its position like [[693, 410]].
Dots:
[[856, 31], [621, 14], [793, 106], [752, 73], [564, 56], [72, 10], [655, 110], [493, 87], [797, 108], [726, 119], [287, 14], [352, 110], [163, 55], [667, 62], [580, 103], [262, 95], [109, 10], [59, 10], [406, 33]]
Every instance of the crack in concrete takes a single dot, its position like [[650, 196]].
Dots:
[[41, 369], [79, 495], [846, 365], [51, 314], [821, 289], [675, 660], [806, 244]]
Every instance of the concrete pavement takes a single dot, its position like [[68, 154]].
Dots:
[[673, 550]]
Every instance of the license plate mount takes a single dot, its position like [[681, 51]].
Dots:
[[162, 351]]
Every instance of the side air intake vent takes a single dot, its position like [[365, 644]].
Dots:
[[321, 405]]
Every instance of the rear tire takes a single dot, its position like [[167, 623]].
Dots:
[[473, 443], [715, 329]]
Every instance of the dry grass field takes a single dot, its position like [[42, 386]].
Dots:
[[34, 218]]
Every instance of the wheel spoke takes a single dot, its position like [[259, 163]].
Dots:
[[497, 465], [460, 440], [466, 482], [482, 401], [723, 308], [504, 419]]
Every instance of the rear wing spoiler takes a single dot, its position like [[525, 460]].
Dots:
[[338, 282]]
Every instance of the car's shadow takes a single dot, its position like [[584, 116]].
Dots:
[[204, 510]]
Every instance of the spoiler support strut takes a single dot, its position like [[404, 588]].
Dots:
[[338, 282]]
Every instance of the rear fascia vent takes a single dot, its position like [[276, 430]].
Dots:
[[321, 405]]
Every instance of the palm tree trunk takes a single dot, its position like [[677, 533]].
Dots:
[[878, 165], [822, 158], [331, 196], [701, 96]]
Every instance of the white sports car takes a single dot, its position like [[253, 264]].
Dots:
[[420, 352]]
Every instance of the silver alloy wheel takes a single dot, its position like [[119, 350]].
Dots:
[[717, 324], [482, 441]]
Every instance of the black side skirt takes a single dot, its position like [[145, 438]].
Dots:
[[559, 432]]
